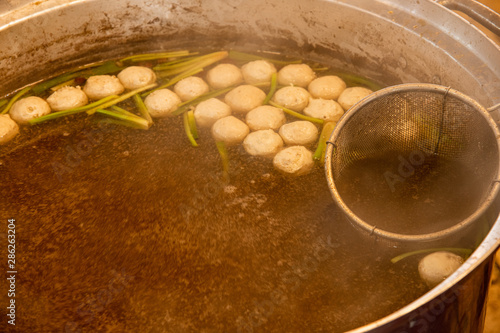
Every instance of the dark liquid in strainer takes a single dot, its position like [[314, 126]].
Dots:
[[395, 195]]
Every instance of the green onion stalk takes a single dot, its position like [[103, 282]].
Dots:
[[326, 132], [143, 109], [97, 105], [133, 121], [297, 115], [272, 89], [246, 57], [187, 129], [184, 106], [121, 98], [464, 252], [221, 147], [156, 56], [14, 99]]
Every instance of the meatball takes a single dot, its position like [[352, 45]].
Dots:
[[299, 75], [162, 102], [265, 117], [191, 87], [351, 96], [436, 267], [135, 77], [224, 75], [325, 109], [295, 160], [100, 86], [300, 132], [244, 98], [327, 87], [67, 98], [29, 108], [208, 112], [258, 71], [293, 98], [8, 128], [266, 143], [230, 130]]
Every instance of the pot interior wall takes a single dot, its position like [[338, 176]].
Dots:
[[378, 41]]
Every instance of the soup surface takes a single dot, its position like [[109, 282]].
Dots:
[[123, 230]]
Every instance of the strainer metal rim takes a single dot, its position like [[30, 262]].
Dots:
[[393, 236]]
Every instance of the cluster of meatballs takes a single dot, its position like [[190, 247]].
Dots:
[[240, 117]]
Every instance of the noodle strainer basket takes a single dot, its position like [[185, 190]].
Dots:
[[414, 163]]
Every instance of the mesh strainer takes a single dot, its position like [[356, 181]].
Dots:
[[414, 162]]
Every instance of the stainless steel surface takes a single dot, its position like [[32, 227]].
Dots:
[[407, 119], [387, 40], [477, 11]]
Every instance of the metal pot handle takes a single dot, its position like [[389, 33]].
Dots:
[[479, 12]]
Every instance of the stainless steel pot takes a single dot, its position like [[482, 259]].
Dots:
[[387, 40]]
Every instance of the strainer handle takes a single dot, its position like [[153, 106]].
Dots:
[[479, 12]]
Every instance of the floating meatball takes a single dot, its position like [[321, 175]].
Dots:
[[67, 98], [29, 108], [162, 102], [266, 143], [244, 98], [295, 160], [299, 75], [135, 77], [100, 86], [191, 87], [351, 96], [8, 128], [327, 87], [293, 98], [299, 133], [436, 267], [325, 109], [208, 112], [224, 75], [265, 117], [258, 71], [230, 130]]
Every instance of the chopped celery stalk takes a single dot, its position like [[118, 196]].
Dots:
[[272, 89], [14, 99], [106, 68], [121, 123], [242, 56], [187, 129], [192, 123], [326, 132], [465, 252], [64, 84], [192, 102], [59, 114], [297, 115], [155, 56], [221, 147], [136, 120], [143, 109], [121, 98]]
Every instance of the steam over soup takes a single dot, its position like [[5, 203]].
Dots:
[[149, 203]]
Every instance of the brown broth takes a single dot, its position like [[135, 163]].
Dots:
[[141, 234]]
